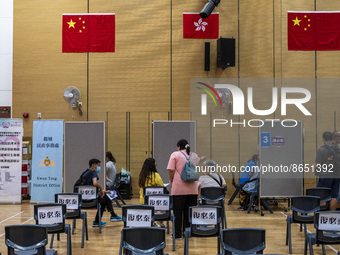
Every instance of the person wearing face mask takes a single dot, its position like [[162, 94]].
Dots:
[[92, 179]]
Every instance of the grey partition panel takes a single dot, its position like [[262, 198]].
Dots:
[[166, 134], [281, 154], [83, 141]]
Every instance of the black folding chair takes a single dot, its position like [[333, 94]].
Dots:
[[73, 204], [27, 239], [205, 221], [327, 230], [303, 209], [215, 196], [116, 189], [243, 240], [237, 189], [53, 217], [143, 240], [89, 197], [136, 216], [163, 205], [324, 194]]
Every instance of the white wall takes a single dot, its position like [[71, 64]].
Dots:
[[6, 52]]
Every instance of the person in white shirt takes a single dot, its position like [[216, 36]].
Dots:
[[211, 179], [110, 170]]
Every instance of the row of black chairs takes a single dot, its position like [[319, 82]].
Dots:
[[51, 218], [317, 199], [141, 240], [68, 201], [312, 209], [138, 235], [156, 197]]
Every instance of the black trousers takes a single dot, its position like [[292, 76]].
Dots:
[[181, 212], [105, 202]]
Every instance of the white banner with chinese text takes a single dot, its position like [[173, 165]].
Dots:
[[11, 132]]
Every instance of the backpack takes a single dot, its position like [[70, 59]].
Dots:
[[331, 167], [189, 173], [82, 180]]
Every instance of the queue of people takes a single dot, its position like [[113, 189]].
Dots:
[[185, 194]]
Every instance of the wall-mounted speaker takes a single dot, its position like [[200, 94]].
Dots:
[[225, 52], [207, 56]]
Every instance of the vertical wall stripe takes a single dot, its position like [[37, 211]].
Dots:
[[171, 60], [87, 73], [238, 80], [316, 94]]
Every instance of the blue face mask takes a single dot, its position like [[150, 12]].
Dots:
[[98, 169]]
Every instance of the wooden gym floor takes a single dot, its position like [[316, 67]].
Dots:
[[108, 242]]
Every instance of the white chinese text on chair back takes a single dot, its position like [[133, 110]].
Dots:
[[138, 218], [160, 203], [329, 222], [87, 192], [204, 216], [153, 190], [71, 201], [50, 215]]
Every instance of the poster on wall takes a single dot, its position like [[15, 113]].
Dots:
[[11, 132], [47, 160]]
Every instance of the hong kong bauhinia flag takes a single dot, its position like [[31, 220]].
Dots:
[[87, 32], [313, 31], [196, 27]]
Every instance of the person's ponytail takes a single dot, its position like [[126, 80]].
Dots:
[[187, 148], [183, 144]]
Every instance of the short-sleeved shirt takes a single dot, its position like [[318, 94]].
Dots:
[[248, 168], [155, 180], [176, 162], [89, 179], [110, 174], [207, 181]]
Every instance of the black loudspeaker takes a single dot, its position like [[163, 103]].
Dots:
[[225, 52], [207, 57]]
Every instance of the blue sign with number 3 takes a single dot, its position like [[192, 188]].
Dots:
[[265, 139]]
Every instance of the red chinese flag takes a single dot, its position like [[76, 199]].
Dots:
[[313, 31], [301, 31], [88, 33], [196, 27]]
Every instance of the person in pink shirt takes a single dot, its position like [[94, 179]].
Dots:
[[184, 193]]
